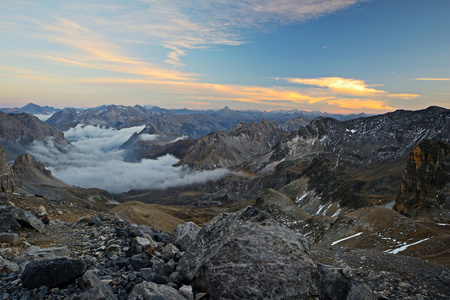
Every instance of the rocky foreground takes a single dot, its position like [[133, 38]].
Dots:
[[243, 255]]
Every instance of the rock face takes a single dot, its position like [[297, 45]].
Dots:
[[185, 234], [150, 290], [366, 141], [31, 172], [7, 177], [233, 147], [14, 217], [425, 185], [249, 255], [52, 272], [19, 131]]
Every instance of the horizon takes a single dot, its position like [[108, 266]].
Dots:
[[335, 56], [214, 109]]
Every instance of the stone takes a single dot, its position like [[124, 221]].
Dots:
[[160, 267], [7, 266], [52, 272], [94, 288], [186, 291], [14, 217], [10, 238], [148, 275], [249, 255], [185, 234], [150, 290], [36, 253], [145, 242], [334, 284]]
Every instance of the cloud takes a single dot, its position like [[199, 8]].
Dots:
[[434, 79], [148, 137], [348, 86], [94, 162]]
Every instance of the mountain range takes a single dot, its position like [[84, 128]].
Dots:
[[363, 191]]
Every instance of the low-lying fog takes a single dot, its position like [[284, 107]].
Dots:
[[94, 161]]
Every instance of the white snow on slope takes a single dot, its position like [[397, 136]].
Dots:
[[347, 238]]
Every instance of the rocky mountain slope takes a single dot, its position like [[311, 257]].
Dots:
[[69, 118], [8, 180], [117, 116], [425, 186], [152, 143], [18, 132], [233, 147]]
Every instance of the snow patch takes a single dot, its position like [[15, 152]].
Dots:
[[402, 248], [347, 238]]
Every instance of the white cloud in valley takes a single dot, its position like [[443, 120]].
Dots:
[[94, 161]]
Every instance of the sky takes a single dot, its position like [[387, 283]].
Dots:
[[337, 56]]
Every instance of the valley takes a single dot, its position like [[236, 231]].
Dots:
[[367, 197]]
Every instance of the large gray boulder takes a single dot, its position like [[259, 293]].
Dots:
[[94, 288], [14, 217], [52, 272], [152, 291], [185, 234], [248, 255]]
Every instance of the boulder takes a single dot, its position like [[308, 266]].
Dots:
[[334, 284], [249, 255], [52, 272], [36, 253], [14, 217], [10, 238], [150, 290], [7, 266], [185, 234], [94, 288]]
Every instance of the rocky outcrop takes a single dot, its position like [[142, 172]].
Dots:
[[15, 217], [7, 177], [425, 186], [248, 255], [366, 141], [94, 288], [281, 208], [52, 272], [233, 147], [234, 253], [31, 172], [18, 132], [185, 234]]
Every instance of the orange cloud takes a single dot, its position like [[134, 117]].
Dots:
[[358, 104], [434, 79], [353, 87]]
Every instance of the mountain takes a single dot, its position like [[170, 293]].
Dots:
[[192, 125], [425, 186], [68, 118], [152, 143], [366, 141], [36, 180], [32, 109], [18, 132], [233, 147], [116, 116]]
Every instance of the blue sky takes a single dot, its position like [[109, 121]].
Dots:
[[341, 56]]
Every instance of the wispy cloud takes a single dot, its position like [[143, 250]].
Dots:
[[434, 79], [348, 86]]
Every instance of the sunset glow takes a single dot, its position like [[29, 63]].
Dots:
[[329, 55]]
